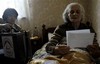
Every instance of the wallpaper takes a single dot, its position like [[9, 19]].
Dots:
[[49, 12]]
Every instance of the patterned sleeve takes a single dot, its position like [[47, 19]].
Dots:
[[54, 40]]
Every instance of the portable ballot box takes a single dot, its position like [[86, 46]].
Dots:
[[15, 45]]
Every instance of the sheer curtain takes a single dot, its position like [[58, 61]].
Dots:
[[23, 7], [19, 5]]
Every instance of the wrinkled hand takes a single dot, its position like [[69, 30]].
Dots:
[[62, 49], [94, 50]]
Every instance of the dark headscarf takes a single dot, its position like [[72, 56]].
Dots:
[[9, 12]]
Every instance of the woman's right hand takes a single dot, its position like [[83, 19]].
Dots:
[[62, 49]]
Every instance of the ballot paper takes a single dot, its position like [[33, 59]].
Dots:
[[79, 38]]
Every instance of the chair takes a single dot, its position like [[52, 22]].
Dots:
[[17, 46]]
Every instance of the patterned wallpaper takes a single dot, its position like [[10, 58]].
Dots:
[[49, 12]]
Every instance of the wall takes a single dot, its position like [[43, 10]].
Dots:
[[49, 12], [96, 17]]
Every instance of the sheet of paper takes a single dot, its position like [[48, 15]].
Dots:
[[79, 39], [79, 31]]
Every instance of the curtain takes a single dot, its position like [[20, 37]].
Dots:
[[19, 5]]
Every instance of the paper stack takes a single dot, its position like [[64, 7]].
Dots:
[[79, 38]]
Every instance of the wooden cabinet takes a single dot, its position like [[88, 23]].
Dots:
[[36, 43]]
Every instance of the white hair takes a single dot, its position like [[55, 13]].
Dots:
[[66, 11]]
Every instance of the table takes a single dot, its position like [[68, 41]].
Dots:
[[36, 43]]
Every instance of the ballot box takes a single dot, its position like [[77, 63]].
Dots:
[[16, 45]]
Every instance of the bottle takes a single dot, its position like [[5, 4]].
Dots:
[[35, 32]]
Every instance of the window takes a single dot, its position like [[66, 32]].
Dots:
[[19, 5]]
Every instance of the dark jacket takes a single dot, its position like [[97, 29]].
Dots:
[[15, 28], [60, 32]]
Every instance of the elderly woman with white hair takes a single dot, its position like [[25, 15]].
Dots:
[[74, 18]]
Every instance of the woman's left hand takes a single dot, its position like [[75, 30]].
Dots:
[[94, 50]]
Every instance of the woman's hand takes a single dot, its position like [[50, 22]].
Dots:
[[94, 50], [61, 49]]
